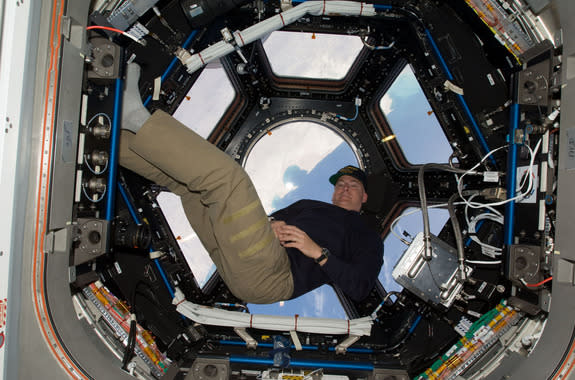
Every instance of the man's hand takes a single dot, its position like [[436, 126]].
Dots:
[[277, 226], [293, 237]]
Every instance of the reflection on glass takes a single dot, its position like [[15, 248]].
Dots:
[[393, 248], [207, 101], [413, 122], [293, 162], [311, 55]]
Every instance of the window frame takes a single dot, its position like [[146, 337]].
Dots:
[[376, 114], [313, 84]]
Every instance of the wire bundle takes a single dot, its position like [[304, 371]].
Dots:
[[213, 316], [277, 22]]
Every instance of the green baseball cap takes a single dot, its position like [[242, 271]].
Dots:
[[351, 171]]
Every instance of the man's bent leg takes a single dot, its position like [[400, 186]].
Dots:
[[195, 211], [249, 257]]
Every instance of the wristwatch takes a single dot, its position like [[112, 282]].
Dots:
[[324, 255]]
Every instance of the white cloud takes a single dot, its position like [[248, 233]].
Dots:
[[386, 104], [319, 301], [300, 55], [206, 101], [301, 144]]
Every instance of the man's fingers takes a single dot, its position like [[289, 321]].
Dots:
[[288, 229]]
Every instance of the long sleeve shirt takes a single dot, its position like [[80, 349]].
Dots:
[[356, 251]]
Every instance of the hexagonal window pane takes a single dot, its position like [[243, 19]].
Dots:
[[410, 224], [197, 257], [311, 55], [413, 121], [207, 101]]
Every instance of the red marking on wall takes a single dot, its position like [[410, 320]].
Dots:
[[2, 320], [3, 312]]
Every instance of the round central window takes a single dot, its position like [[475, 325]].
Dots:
[[291, 162], [294, 161]]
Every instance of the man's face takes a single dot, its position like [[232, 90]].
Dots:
[[349, 193]]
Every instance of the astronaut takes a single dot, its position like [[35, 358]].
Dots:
[[261, 259]]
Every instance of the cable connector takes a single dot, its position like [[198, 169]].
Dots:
[[491, 176], [179, 297], [449, 86], [494, 194], [138, 32], [463, 326], [156, 254], [467, 193], [227, 35]]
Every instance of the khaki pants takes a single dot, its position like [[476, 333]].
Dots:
[[220, 202]]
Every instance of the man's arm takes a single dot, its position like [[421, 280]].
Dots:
[[293, 237], [287, 212], [357, 276]]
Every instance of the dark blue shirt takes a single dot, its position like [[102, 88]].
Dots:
[[356, 251]]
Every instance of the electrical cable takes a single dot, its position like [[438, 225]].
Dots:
[[132, 335], [225, 318], [480, 262], [98, 115], [195, 61], [90, 198], [404, 338], [416, 209], [486, 249], [94, 171], [131, 343], [537, 284], [244, 308], [173, 63], [93, 27], [374, 47], [309, 375], [396, 220], [458, 236], [350, 119], [392, 293], [494, 216], [532, 152], [423, 200]]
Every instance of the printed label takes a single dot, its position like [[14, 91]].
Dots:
[[522, 178]]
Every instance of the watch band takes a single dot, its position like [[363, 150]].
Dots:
[[324, 255]]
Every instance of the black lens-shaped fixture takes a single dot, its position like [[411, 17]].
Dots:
[[202, 12]]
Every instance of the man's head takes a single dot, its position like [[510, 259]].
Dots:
[[350, 188]]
